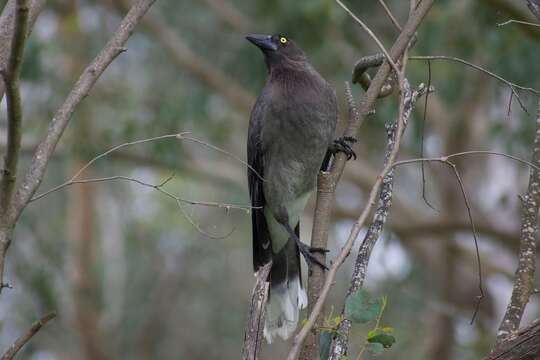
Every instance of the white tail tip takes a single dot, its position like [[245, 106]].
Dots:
[[283, 308]]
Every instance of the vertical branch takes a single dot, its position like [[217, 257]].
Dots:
[[319, 238], [254, 324], [7, 27], [14, 107], [524, 278]]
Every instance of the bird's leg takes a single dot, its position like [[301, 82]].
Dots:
[[306, 250], [342, 144]]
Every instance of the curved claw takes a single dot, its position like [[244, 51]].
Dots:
[[342, 145]]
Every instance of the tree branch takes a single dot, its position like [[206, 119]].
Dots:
[[6, 30], [14, 107], [525, 345], [20, 342], [535, 8], [45, 149], [81, 89], [386, 180], [254, 324], [524, 278]]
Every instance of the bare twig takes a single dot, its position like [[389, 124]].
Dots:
[[390, 15], [372, 35], [512, 21], [467, 153], [180, 136], [524, 278], [14, 107], [259, 294], [422, 136], [510, 84], [20, 342]]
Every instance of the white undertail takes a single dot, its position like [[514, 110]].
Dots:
[[283, 308]]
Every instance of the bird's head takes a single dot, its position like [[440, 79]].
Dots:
[[278, 49]]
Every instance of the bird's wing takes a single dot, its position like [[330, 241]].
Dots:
[[262, 249]]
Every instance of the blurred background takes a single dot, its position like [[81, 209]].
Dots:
[[129, 274]]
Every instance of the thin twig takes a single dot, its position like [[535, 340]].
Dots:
[[20, 342], [390, 15], [512, 21], [372, 35], [510, 84], [467, 153], [179, 136], [422, 135]]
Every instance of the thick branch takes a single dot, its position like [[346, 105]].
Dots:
[[20, 342], [524, 346], [524, 278], [14, 107]]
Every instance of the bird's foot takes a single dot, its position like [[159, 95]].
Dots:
[[307, 251], [318, 250], [343, 144]]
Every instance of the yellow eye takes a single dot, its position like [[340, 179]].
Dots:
[[283, 40]]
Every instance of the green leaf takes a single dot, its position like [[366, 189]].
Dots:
[[360, 308], [379, 336], [375, 348], [325, 340]]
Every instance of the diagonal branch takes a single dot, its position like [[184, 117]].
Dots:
[[20, 342], [45, 149], [535, 8], [184, 57], [385, 191]]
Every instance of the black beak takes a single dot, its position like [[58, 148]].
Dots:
[[263, 42]]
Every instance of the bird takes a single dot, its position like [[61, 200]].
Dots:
[[290, 138]]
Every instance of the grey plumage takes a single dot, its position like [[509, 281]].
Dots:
[[291, 128]]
